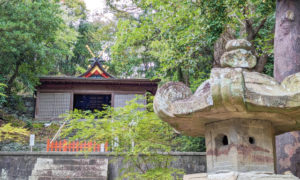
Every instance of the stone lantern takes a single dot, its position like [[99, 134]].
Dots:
[[238, 111]]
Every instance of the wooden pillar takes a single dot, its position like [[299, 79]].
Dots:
[[287, 62]]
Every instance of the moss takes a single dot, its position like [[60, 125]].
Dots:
[[37, 125]]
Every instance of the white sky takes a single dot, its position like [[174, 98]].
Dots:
[[93, 5], [97, 10]]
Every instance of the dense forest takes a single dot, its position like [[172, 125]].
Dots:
[[172, 40]]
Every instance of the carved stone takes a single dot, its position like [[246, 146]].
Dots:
[[240, 145], [231, 93], [237, 110], [239, 58]]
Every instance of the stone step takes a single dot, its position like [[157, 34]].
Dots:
[[62, 169], [43, 172], [80, 161], [87, 173], [64, 178], [71, 167], [73, 161], [70, 173]]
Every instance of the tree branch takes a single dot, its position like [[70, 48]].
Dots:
[[12, 78], [261, 63], [262, 23]]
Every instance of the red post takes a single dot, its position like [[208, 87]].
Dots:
[[51, 145], [69, 146], [94, 146], [65, 145], [98, 147], [55, 147], [106, 146], [48, 144], [90, 146], [77, 146], [73, 146], [59, 146]]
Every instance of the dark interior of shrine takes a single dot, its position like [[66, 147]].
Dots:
[[91, 101]]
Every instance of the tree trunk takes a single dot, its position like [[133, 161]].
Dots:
[[12, 79], [182, 76], [219, 46], [287, 39], [261, 62], [287, 62]]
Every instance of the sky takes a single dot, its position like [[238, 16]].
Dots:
[[97, 10], [94, 5]]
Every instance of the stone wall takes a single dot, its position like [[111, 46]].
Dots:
[[22, 108], [29, 104], [66, 165]]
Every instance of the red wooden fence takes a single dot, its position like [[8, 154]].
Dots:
[[75, 146]]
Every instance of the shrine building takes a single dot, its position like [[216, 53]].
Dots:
[[96, 87]]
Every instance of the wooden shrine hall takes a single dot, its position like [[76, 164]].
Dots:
[[91, 90]]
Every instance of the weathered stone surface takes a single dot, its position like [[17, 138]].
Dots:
[[43, 165], [238, 44], [239, 176], [233, 105], [70, 168], [288, 153], [239, 145], [239, 58], [231, 93]]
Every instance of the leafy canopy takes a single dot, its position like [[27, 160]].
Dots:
[[176, 40], [33, 34]]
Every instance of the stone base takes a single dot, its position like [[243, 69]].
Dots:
[[239, 176]]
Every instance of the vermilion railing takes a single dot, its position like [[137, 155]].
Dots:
[[76, 146]]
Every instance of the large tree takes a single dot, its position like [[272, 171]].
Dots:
[[287, 39], [33, 34], [287, 62], [182, 40]]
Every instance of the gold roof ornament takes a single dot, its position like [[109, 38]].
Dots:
[[96, 68]]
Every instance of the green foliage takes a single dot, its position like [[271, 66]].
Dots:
[[133, 132], [190, 144], [13, 130], [76, 10], [1, 89], [37, 125], [2, 95], [10, 133], [89, 34], [167, 41], [269, 67], [174, 40], [33, 35], [43, 133]]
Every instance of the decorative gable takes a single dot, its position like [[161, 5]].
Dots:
[[97, 71]]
